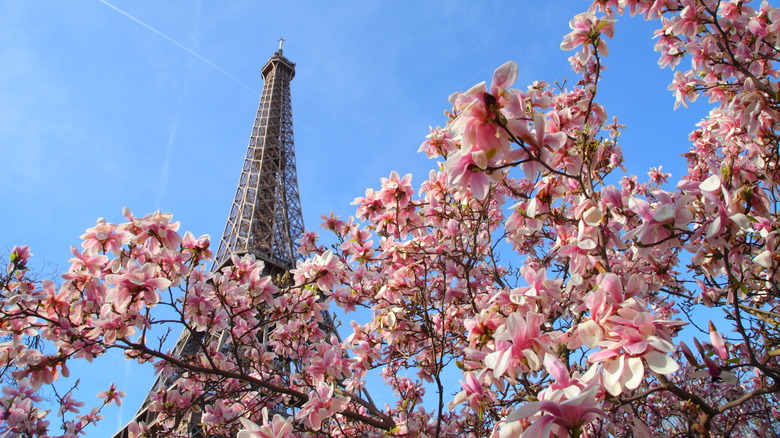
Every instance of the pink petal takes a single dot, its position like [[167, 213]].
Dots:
[[664, 213], [555, 140], [541, 428], [556, 368], [611, 283], [717, 343], [612, 375], [505, 75], [642, 208], [524, 411], [710, 184], [590, 333], [688, 354], [661, 363], [637, 371]]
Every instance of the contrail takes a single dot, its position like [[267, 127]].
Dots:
[[169, 146], [182, 46]]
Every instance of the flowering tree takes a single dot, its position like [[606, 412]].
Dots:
[[582, 340]]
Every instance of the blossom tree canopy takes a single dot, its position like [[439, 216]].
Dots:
[[572, 330]]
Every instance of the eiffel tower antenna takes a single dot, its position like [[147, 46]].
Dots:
[[265, 218]]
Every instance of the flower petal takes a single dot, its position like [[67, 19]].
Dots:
[[505, 75], [661, 363], [637, 372], [710, 184]]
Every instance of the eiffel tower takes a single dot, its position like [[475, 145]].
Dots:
[[265, 218]]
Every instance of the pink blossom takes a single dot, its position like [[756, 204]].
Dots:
[[68, 404], [221, 412], [585, 29], [474, 394], [112, 395], [92, 264], [278, 427], [19, 256], [323, 269], [520, 345], [463, 171], [717, 343], [138, 282], [630, 339], [321, 405], [557, 418], [685, 87], [104, 237], [658, 176], [396, 191]]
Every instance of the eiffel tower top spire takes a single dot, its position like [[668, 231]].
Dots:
[[265, 218]]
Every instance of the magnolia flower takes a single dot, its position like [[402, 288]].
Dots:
[[278, 427], [321, 405], [112, 395], [556, 418]]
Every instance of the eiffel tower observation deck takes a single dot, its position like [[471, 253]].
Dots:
[[265, 218]]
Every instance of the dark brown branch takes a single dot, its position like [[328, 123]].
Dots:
[[385, 422]]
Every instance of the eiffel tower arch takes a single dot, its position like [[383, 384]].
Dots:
[[265, 220]]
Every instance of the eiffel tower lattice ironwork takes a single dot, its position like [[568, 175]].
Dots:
[[265, 218]]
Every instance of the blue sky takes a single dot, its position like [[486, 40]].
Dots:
[[98, 111]]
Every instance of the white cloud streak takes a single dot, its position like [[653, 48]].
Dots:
[[181, 46]]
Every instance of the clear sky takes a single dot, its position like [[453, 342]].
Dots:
[[149, 104]]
